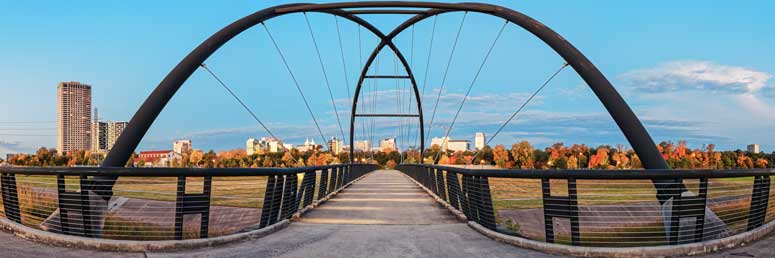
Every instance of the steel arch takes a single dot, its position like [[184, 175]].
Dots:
[[624, 117]]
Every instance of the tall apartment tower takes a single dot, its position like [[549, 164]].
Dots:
[[114, 131], [479, 141], [73, 116], [99, 140]]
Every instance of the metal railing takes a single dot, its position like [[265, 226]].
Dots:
[[606, 208], [166, 203]]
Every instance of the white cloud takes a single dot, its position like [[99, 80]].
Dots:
[[696, 75], [8, 147]]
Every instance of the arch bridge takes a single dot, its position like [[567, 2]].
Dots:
[[679, 211]]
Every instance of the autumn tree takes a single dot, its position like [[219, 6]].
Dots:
[[523, 155], [501, 156], [391, 164]]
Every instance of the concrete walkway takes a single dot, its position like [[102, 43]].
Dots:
[[382, 215]]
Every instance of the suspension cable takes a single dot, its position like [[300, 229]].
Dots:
[[341, 52], [360, 64], [325, 77], [409, 109], [295, 82], [470, 87], [565, 64], [446, 72], [241, 103], [428, 60]]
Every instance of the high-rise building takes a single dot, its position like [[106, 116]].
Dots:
[[387, 144], [114, 131], [479, 141], [335, 146], [99, 136], [181, 146], [73, 116], [753, 148], [362, 145]]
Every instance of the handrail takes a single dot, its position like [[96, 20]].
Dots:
[[608, 174], [160, 172], [150, 203], [606, 208]]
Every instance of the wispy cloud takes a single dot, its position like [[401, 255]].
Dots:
[[696, 75], [9, 147]]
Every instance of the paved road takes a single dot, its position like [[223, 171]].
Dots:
[[383, 215]]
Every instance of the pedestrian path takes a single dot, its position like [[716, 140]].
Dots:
[[384, 214]]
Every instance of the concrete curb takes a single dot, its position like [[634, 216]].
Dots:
[[615, 252], [56, 239], [50, 238]]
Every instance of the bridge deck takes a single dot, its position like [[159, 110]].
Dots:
[[382, 215]]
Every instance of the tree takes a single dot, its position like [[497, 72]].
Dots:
[[391, 164], [288, 159], [267, 163], [762, 163], [600, 158], [196, 157], [523, 155], [501, 156]]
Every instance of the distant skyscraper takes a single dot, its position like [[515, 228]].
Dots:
[[99, 134], [387, 144], [114, 131], [335, 146], [479, 141], [753, 148], [73, 116]]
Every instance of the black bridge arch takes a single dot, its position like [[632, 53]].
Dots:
[[624, 117]]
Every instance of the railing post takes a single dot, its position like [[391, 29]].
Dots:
[[323, 187], [466, 197], [760, 197], [453, 187], [290, 197], [10, 197], [688, 207], [309, 187], [486, 212], [70, 201], [266, 207], [561, 207], [441, 185], [186, 204]]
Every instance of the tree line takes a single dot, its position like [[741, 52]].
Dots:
[[521, 155]]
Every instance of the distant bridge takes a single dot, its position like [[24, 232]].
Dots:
[[652, 212]]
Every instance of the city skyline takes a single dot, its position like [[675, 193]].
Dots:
[[667, 83]]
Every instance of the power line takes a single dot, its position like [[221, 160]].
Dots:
[[32, 135], [27, 122]]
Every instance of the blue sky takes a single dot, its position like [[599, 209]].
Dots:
[[695, 70]]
